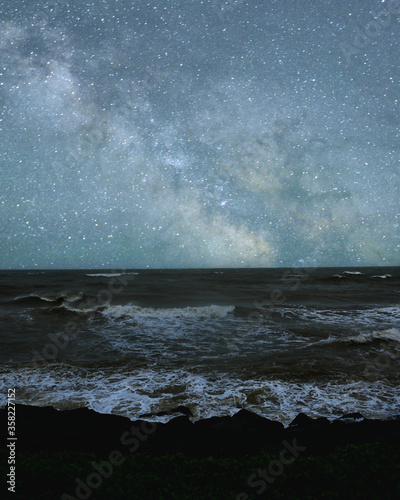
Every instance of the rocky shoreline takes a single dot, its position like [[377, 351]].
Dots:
[[245, 433]]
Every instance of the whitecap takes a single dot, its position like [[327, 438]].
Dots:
[[132, 311]]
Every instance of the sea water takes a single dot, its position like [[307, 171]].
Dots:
[[275, 341]]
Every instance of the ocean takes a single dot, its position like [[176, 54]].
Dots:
[[323, 341]]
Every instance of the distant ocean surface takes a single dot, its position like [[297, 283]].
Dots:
[[275, 341]]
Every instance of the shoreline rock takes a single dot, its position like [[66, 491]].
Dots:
[[245, 433]]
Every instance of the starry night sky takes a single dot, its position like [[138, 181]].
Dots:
[[199, 133]]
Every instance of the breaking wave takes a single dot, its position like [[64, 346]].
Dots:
[[133, 392], [131, 311], [62, 297], [392, 334]]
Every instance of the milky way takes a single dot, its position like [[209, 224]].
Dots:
[[199, 133]]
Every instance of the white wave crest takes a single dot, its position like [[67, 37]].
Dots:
[[133, 392], [131, 311], [110, 275], [67, 297], [364, 338]]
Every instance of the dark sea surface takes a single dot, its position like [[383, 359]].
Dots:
[[275, 341]]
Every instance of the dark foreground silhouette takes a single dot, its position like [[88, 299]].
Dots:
[[81, 454]]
